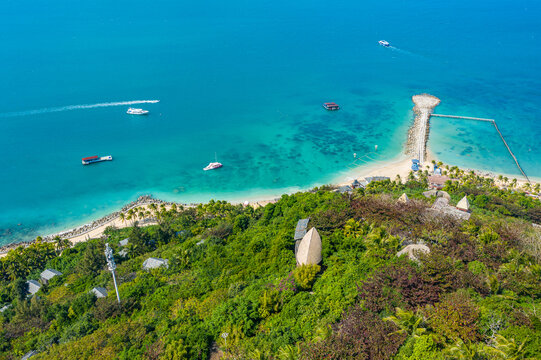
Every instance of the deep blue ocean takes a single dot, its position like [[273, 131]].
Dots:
[[245, 80]]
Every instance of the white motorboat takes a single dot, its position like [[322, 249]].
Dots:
[[134, 111], [384, 43]]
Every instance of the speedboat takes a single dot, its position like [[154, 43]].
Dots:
[[213, 165], [133, 111], [384, 43]]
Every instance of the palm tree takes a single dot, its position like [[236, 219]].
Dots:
[[514, 183], [463, 351], [289, 352], [537, 187], [505, 349], [407, 322], [61, 244], [122, 217]]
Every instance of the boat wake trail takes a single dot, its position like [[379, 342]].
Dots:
[[75, 107]]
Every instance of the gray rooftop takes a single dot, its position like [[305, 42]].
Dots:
[[4, 308], [33, 286], [344, 189], [48, 274], [29, 354], [124, 242], [300, 230], [100, 292], [154, 263]]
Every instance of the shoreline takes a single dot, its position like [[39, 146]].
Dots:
[[400, 165]]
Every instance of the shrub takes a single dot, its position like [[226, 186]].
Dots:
[[305, 275]]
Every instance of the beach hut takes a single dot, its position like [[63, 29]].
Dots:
[[463, 204], [33, 286], [356, 184], [309, 251], [100, 292], [48, 274], [154, 263], [437, 181], [124, 242]]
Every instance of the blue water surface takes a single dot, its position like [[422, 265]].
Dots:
[[245, 80]]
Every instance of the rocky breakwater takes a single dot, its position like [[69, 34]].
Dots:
[[81, 230], [418, 132]]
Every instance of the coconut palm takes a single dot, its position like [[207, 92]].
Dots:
[[407, 322], [465, 351], [61, 244], [505, 349], [289, 352], [122, 217], [514, 183]]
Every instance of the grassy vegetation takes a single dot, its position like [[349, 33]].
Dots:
[[232, 270]]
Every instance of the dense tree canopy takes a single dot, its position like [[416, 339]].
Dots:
[[232, 269]]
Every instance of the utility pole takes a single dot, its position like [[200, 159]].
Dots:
[[112, 266]]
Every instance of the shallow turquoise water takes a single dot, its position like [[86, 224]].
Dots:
[[246, 80]]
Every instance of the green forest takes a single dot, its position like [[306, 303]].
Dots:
[[232, 270]]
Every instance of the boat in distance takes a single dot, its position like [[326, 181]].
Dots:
[[212, 166], [134, 111], [95, 159], [332, 106], [384, 43]]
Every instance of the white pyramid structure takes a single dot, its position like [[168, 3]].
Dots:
[[404, 198], [463, 204], [309, 251]]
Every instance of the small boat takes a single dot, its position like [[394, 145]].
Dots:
[[213, 165], [331, 106], [134, 111], [94, 159], [384, 43]]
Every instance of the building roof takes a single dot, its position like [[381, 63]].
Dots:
[[154, 263], [412, 250], [100, 292], [33, 286], [124, 242], [4, 308], [438, 179], [300, 230], [29, 354], [404, 198], [48, 274], [463, 204], [309, 251], [344, 189]]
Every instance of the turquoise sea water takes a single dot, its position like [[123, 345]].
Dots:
[[246, 79]]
